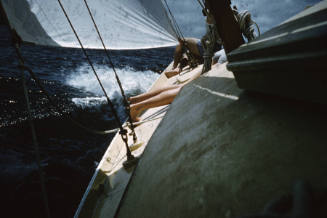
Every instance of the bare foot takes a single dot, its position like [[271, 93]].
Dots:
[[131, 100], [172, 73], [135, 99], [135, 112]]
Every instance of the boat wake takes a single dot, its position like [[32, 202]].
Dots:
[[133, 82], [69, 154]]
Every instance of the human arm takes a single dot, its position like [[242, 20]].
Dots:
[[177, 55]]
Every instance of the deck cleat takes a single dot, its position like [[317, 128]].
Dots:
[[135, 146], [131, 162]]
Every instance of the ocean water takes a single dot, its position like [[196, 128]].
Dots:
[[69, 154]]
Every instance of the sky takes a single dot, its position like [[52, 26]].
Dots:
[[267, 13]]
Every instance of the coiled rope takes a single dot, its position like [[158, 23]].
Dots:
[[243, 19], [246, 24]]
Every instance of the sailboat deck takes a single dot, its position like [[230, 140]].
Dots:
[[110, 180], [218, 152], [224, 152]]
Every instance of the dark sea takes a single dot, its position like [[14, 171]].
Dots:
[[69, 155]]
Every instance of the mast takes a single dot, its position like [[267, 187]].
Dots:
[[227, 26]]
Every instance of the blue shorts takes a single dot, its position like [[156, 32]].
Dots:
[[200, 48]]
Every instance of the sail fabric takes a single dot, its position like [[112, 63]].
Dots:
[[123, 24]]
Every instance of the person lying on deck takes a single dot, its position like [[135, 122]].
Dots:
[[162, 96], [156, 98], [193, 46]]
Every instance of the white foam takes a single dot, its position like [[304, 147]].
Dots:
[[132, 82], [89, 101]]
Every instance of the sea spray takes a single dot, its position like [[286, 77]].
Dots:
[[133, 82], [68, 153]]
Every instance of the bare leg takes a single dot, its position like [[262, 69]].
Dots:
[[163, 98], [150, 94]]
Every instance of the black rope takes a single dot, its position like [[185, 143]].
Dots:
[[177, 29], [122, 132], [16, 40], [50, 99], [36, 146], [191, 59], [204, 9], [127, 106], [201, 4]]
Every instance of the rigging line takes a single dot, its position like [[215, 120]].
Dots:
[[192, 60], [36, 147], [188, 51], [171, 18], [123, 132], [127, 106], [201, 4], [174, 20], [135, 123], [177, 26], [203, 7], [93, 69], [173, 25], [57, 107], [16, 42], [163, 110]]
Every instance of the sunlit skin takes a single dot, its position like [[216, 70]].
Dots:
[[191, 44], [152, 99], [156, 98], [177, 70], [166, 95]]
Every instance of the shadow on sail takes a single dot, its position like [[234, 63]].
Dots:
[[25, 22]]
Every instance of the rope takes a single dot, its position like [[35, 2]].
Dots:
[[246, 24], [177, 29], [172, 24], [135, 124], [99, 132], [258, 28], [191, 59], [150, 118], [50, 99], [202, 5], [127, 107], [16, 41], [157, 113], [122, 132], [36, 145]]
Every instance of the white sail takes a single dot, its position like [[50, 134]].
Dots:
[[124, 24]]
